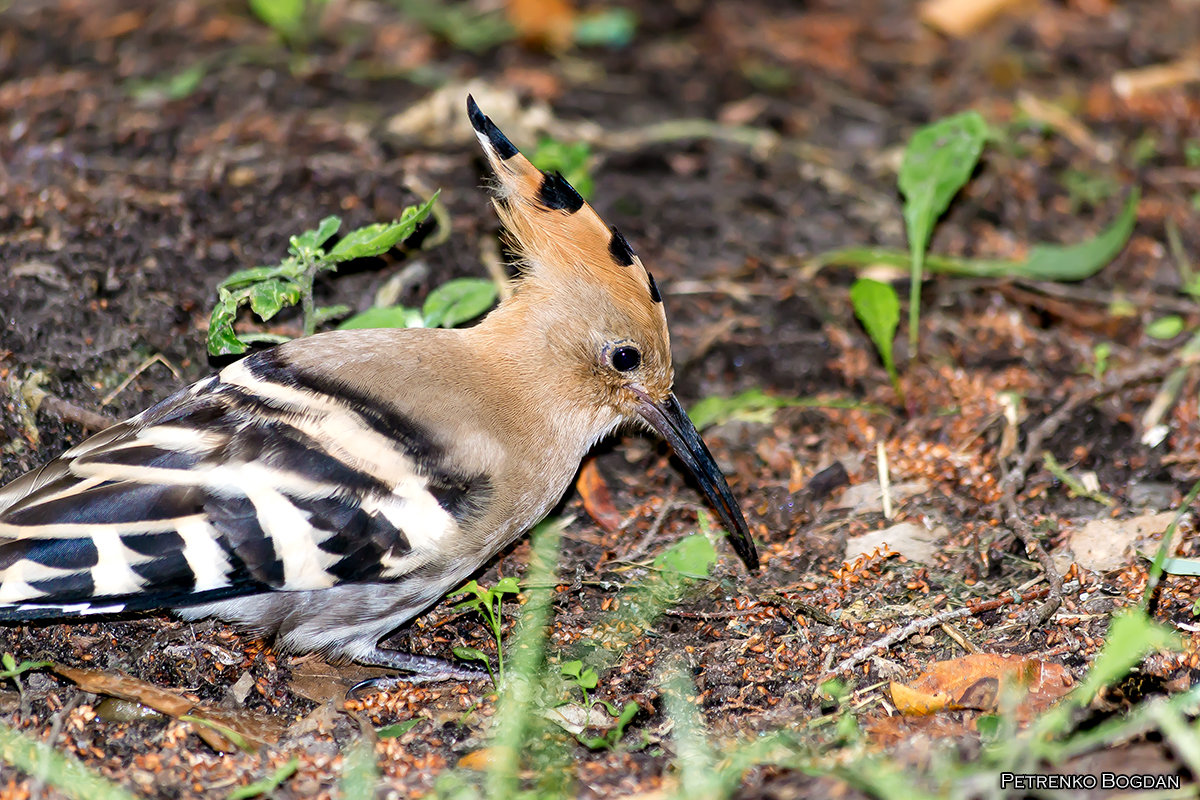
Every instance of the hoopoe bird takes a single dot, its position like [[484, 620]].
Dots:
[[329, 489]]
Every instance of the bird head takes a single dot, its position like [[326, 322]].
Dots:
[[598, 310]]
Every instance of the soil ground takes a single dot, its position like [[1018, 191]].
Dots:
[[125, 197]]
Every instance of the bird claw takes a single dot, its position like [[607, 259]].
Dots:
[[418, 669]]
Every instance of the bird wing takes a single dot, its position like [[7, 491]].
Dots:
[[263, 477]]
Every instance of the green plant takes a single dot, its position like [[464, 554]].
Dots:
[[878, 309], [488, 603], [268, 784], [583, 677], [1167, 327], [755, 405], [13, 670], [174, 86], [448, 306], [1087, 189], [268, 289], [571, 159], [1100, 355], [608, 740], [294, 20], [937, 163]]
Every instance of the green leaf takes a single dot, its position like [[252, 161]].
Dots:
[[458, 301], [311, 240], [360, 771], [1167, 327], [610, 27], [390, 317], [507, 585], [221, 338], [690, 557], [12, 669], [572, 159], [1131, 636], [372, 240], [587, 679], [1046, 262], [878, 309], [326, 313], [471, 587], [755, 405], [285, 16], [399, 729], [268, 297], [470, 654], [65, 773], [937, 163], [1171, 566], [570, 669], [267, 784], [246, 277]]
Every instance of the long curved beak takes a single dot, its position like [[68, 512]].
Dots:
[[672, 422]]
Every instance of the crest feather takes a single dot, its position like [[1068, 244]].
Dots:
[[554, 231]]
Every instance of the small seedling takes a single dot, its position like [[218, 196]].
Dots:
[[613, 735], [13, 670], [572, 160], [268, 289], [1100, 355], [487, 602], [268, 784], [583, 677]]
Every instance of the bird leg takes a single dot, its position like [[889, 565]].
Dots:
[[420, 669]]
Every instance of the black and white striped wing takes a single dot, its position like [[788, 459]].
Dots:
[[253, 480]]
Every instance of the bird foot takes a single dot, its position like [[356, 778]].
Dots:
[[420, 669]]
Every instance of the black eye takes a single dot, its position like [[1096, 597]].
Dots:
[[626, 359]]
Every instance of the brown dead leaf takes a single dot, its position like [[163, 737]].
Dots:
[[255, 729], [1101, 545], [961, 18], [978, 681], [549, 23], [916, 703], [477, 760], [317, 680], [597, 500]]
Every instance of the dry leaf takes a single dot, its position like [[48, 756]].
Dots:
[[908, 700], [255, 729], [597, 500], [978, 681], [550, 23]]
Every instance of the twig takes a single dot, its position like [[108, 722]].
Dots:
[[921, 625], [667, 507], [157, 358], [69, 412], [1014, 480]]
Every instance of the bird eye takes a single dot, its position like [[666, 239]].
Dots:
[[626, 359]]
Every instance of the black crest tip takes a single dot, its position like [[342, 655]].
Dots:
[[654, 295], [559, 195], [619, 249], [484, 126]]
